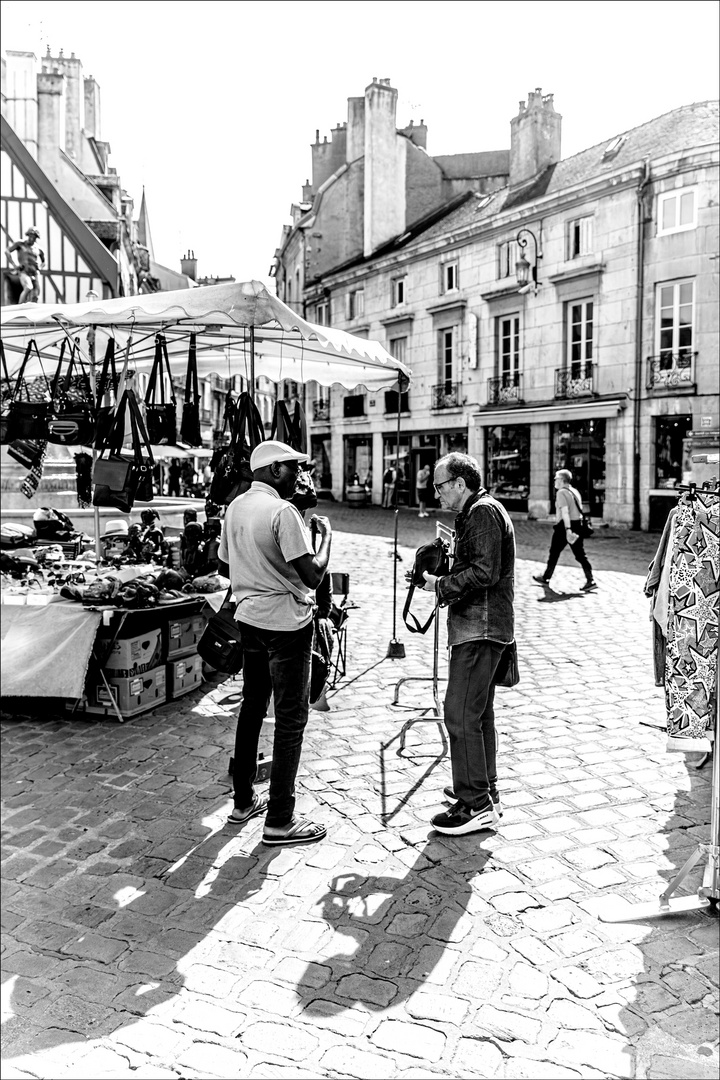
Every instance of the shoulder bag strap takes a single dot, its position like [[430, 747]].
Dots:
[[165, 360], [139, 432], [17, 390], [108, 367], [407, 614], [116, 434], [58, 370], [192, 394], [156, 374]]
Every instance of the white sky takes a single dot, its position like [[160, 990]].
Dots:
[[213, 106]]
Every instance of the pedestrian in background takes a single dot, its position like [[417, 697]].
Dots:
[[479, 592], [421, 483], [568, 515], [389, 482], [273, 572]]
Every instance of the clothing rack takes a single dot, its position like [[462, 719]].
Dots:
[[709, 892], [431, 712]]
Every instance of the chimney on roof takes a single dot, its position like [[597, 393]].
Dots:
[[534, 137], [92, 108], [385, 165], [188, 265], [51, 118]]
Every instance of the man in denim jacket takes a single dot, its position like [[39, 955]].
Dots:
[[479, 593]]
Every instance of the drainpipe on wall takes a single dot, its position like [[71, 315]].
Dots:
[[640, 297]]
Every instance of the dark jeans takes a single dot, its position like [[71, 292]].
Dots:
[[277, 662], [470, 720], [558, 542]]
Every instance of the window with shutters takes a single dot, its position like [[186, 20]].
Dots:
[[580, 237]]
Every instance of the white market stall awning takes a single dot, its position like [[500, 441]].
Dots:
[[234, 323]]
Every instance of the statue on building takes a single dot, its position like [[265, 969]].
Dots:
[[30, 261]]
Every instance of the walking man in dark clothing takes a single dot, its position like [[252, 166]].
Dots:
[[479, 592]]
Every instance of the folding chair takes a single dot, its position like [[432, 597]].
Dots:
[[339, 615]]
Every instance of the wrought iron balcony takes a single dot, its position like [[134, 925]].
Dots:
[[321, 411], [671, 370], [505, 389], [446, 396], [574, 381]]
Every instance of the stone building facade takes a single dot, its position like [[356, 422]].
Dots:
[[605, 362]]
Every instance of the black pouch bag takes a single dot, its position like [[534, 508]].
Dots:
[[506, 673], [161, 414], [120, 480], [72, 418], [433, 558], [28, 419], [232, 475], [190, 423], [220, 645]]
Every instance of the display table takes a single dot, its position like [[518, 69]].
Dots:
[[47, 652]]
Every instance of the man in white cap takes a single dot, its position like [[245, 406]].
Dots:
[[274, 572], [31, 258]]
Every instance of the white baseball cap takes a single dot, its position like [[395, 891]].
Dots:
[[271, 451]]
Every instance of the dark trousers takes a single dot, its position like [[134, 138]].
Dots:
[[277, 662], [557, 544], [470, 720]]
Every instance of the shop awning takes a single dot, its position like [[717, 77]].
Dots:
[[552, 414]]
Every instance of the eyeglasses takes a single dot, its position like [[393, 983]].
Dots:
[[443, 482], [293, 466]]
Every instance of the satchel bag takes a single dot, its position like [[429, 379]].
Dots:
[[506, 673], [72, 417], [190, 423], [106, 395], [220, 644], [28, 419], [583, 527], [120, 480], [290, 428], [161, 414], [432, 558]]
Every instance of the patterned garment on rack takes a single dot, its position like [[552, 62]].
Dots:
[[692, 644]]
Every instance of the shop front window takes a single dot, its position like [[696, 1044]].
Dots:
[[671, 434], [400, 461], [507, 453], [320, 461], [358, 462], [579, 445]]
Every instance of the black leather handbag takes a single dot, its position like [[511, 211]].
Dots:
[[28, 419], [190, 423], [232, 474], [220, 644], [432, 558], [72, 418], [120, 480], [506, 673], [161, 414]]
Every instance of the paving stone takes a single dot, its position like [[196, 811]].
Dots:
[[534, 950], [567, 1014], [575, 942], [478, 1057], [281, 1040], [685, 986], [665, 1067], [577, 981], [692, 1026], [505, 1025], [609, 1056], [415, 1040], [361, 988], [477, 979], [528, 981], [213, 1059], [428, 1005], [350, 1061]]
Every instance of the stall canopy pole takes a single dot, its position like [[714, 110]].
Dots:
[[93, 387], [252, 363], [396, 649]]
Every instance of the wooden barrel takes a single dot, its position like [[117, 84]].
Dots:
[[356, 495]]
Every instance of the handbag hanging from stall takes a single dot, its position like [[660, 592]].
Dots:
[[72, 418], [161, 414], [232, 475], [6, 389], [290, 428], [120, 480], [106, 395], [28, 419], [190, 423]]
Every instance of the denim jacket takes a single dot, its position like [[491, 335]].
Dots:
[[479, 589]]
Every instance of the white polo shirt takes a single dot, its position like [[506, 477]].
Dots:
[[261, 535]]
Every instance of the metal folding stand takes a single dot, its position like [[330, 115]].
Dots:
[[431, 712]]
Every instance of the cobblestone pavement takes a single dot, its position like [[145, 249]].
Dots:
[[144, 938]]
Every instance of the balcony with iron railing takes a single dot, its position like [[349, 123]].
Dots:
[[505, 389], [321, 411], [446, 396], [575, 381], [671, 371]]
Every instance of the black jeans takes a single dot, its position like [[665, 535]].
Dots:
[[277, 662], [470, 720], [558, 542]]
